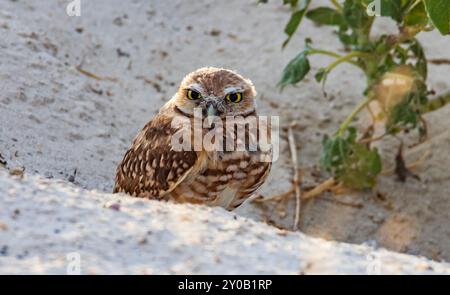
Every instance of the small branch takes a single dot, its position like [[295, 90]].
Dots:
[[339, 57], [296, 180], [350, 118], [439, 61], [323, 52], [343, 203], [346, 58], [372, 139], [94, 76], [419, 162], [275, 198], [321, 188]]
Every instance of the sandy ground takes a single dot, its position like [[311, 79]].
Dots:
[[55, 120], [51, 227]]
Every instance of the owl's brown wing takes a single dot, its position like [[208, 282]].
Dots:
[[151, 168]]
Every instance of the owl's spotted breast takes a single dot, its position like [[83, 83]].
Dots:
[[226, 183]]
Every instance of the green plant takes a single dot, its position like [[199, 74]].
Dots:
[[395, 67]]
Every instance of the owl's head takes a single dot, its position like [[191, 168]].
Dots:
[[217, 92]]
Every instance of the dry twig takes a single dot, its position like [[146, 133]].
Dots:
[[94, 76], [296, 180], [439, 61], [276, 198], [321, 188]]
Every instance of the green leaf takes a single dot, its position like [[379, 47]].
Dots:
[[402, 54], [392, 9], [326, 16], [295, 20], [439, 14], [364, 168], [355, 14], [421, 64], [389, 8], [308, 43], [295, 71], [350, 162], [320, 75], [417, 16], [402, 116], [347, 39]]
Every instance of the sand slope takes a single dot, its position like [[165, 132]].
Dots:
[[55, 120], [44, 221]]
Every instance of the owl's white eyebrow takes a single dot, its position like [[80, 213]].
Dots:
[[232, 89], [197, 87]]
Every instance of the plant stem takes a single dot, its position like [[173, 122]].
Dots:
[[324, 52], [337, 5], [346, 58], [340, 58], [350, 118]]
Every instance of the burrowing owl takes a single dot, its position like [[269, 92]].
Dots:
[[153, 168]]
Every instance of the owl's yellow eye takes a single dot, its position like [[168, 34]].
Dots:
[[193, 95], [234, 97]]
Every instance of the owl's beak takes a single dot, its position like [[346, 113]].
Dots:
[[211, 111]]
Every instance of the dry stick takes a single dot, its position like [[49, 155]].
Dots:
[[318, 190], [439, 61], [373, 139], [327, 185], [296, 179], [274, 198], [343, 203], [419, 162], [94, 76]]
